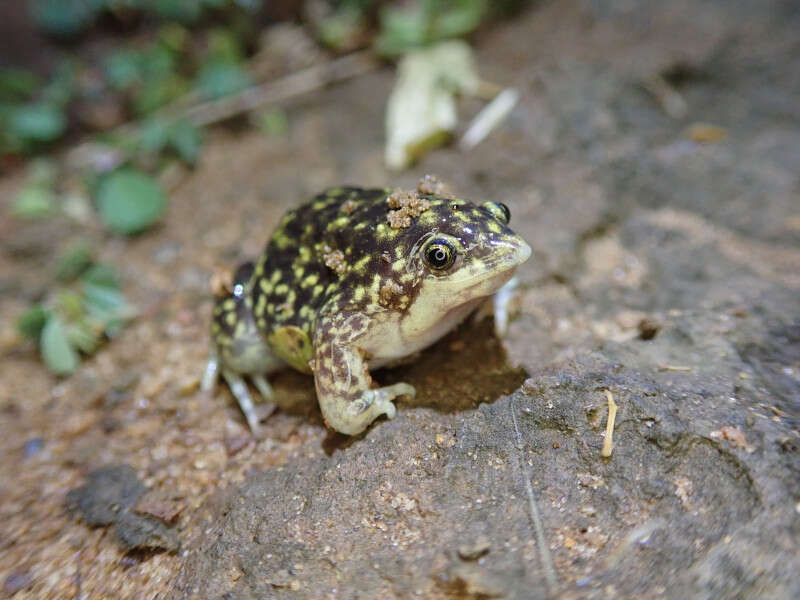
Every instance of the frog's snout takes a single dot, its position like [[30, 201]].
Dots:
[[508, 252], [523, 252]]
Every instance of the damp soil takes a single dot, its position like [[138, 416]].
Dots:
[[664, 271]]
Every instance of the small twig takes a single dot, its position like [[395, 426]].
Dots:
[[488, 118], [265, 94], [673, 368], [544, 551], [272, 92], [608, 442]]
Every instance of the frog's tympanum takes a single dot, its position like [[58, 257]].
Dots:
[[353, 280]]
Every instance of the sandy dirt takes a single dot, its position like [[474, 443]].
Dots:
[[665, 269]]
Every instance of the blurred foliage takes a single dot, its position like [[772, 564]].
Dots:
[[271, 121], [74, 262], [32, 113], [77, 315], [68, 18], [36, 199], [181, 137], [403, 26], [193, 50], [129, 201], [140, 76], [427, 21]]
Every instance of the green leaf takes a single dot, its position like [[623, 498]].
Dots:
[[82, 336], [186, 139], [220, 78], [123, 68], [37, 122], [62, 85], [65, 17], [129, 201], [32, 321], [342, 29], [74, 261], [102, 275], [154, 135], [173, 36], [272, 122], [157, 62], [461, 19], [57, 351], [17, 84], [178, 10], [70, 303], [224, 46], [158, 92], [401, 29], [33, 202], [412, 26], [251, 5], [102, 301]]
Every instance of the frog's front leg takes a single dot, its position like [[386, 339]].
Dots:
[[348, 401]]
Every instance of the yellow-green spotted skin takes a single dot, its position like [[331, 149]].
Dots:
[[355, 279]]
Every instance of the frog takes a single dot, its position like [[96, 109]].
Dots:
[[353, 280]]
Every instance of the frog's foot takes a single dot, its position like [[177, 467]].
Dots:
[[252, 412], [359, 413]]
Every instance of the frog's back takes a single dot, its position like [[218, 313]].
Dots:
[[306, 255]]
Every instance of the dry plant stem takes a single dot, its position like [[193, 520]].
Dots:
[[489, 118], [674, 368], [265, 94], [608, 442], [544, 551], [272, 92]]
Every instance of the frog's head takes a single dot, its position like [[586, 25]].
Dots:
[[462, 252]]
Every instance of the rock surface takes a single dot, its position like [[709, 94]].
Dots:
[[665, 271]]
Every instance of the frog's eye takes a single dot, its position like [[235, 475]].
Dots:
[[440, 254], [498, 210]]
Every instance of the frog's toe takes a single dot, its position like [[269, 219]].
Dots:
[[376, 402], [384, 396], [402, 389]]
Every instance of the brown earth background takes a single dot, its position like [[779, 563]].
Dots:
[[665, 269]]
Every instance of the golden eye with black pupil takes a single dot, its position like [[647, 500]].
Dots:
[[498, 210], [440, 254]]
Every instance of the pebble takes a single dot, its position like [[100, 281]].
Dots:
[[16, 582], [33, 446]]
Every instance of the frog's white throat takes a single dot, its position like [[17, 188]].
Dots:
[[434, 313]]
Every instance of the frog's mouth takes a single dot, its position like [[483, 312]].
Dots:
[[486, 274]]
